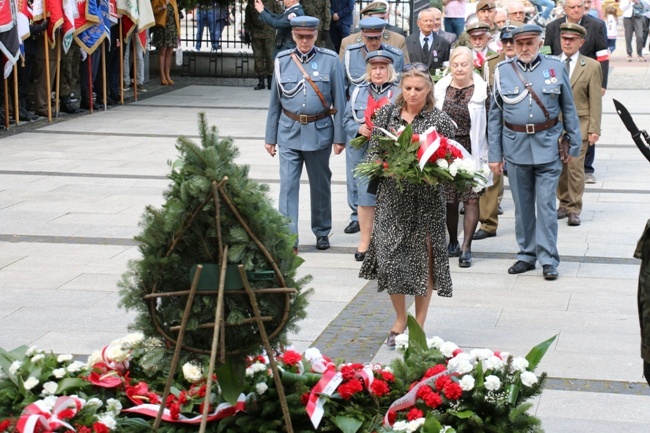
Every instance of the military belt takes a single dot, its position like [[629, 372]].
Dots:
[[531, 128], [305, 119]]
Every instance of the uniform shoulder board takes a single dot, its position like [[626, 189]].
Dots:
[[552, 57], [355, 46], [327, 51], [492, 56], [503, 62], [285, 52], [393, 49]]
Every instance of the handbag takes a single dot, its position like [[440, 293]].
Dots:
[[179, 56]]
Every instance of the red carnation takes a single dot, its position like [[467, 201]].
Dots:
[[175, 411], [433, 400], [388, 376], [379, 387], [98, 427], [414, 413], [291, 357], [347, 390], [438, 368], [452, 391], [4, 425], [424, 391], [170, 400], [347, 372], [304, 399], [442, 381], [66, 413], [385, 165], [392, 417], [82, 429], [182, 398], [153, 397]]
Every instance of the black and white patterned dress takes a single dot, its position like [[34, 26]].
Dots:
[[397, 256]]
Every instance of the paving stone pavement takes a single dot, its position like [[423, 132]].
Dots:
[[72, 193]]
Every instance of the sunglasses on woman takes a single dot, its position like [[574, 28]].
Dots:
[[420, 67]]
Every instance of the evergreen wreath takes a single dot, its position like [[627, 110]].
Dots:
[[184, 232]]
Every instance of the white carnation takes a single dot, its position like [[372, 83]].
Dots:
[[492, 383], [75, 366], [192, 372], [493, 363], [448, 348], [467, 383], [259, 367], [261, 388], [313, 355], [49, 388], [64, 358], [460, 364], [399, 426], [249, 371], [133, 339], [435, 342], [115, 353], [480, 354], [442, 163], [37, 357], [402, 341], [113, 406], [519, 364], [528, 378], [58, 373], [95, 402], [49, 402], [453, 168], [108, 420], [414, 425], [95, 357], [30, 383], [14, 367], [31, 351]]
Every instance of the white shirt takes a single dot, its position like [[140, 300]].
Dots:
[[572, 65]]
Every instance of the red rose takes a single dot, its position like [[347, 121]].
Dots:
[[441, 382], [291, 357], [98, 427], [433, 400], [379, 387], [452, 391], [414, 413]]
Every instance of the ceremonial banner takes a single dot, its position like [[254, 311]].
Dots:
[[53, 10], [93, 24], [9, 40], [137, 16]]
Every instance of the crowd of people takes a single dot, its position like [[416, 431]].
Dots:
[[510, 92]]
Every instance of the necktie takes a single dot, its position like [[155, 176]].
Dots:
[[567, 65], [426, 46]]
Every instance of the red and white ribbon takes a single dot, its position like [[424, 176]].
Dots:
[[325, 386], [409, 399], [38, 416], [224, 410]]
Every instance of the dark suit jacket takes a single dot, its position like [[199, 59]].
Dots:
[[595, 41], [416, 54], [451, 37]]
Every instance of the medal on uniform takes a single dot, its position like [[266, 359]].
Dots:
[[547, 75], [314, 65], [435, 56], [553, 79]]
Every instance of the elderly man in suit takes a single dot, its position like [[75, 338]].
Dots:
[[305, 119], [586, 80], [529, 95], [378, 9], [437, 26], [595, 46], [425, 46]]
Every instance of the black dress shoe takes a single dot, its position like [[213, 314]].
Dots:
[[322, 242], [453, 250], [499, 210], [482, 234], [359, 256], [69, 108], [520, 267], [549, 272], [465, 259], [353, 227], [26, 115]]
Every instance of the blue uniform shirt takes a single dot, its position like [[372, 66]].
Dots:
[[354, 63]]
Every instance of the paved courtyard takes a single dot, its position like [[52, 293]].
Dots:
[[72, 193]]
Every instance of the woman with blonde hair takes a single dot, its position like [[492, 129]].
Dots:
[[165, 36], [407, 253], [463, 96]]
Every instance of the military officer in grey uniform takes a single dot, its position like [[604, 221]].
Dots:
[[526, 136], [281, 22], [305, 119]]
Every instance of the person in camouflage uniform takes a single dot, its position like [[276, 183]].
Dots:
[[262, 37], [320, 9], [643, 252]]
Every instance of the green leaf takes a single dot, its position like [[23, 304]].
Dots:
[[230, 381], [347, 424], [431, 424], [462, 414], [416, 334], [70, 383], [513, 393], [537, 353]]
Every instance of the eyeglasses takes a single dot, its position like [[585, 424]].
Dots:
[[507, 42], [372, 38], [304, 37], [420, 67]]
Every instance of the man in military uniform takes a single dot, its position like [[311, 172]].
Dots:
[[426, 46], [320, 9], [378, 9], [643, 252], [485, 12], [354, 68], [262, 40], [342, 14], [281, 22], [529, 94], [490, 201], [305, 118], [586, 79], [479, 37]]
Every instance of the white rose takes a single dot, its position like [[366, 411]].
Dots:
[[442, 163], [63, 358], [49, 388], [108, 420], [492, 383], [414, 425], [58, 373], [31, 351], [115, 353], [95, 402], [519, 364], [95, 357], [37, 357], [448, 348], [192, 372], [75, 366], [30, 383], [261, 388], [435, 342], [402, 341], [528, 378], [113, 406], [467, 383], [14, 367]]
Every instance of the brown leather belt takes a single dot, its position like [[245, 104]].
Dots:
[[531, 128], [305, 119]]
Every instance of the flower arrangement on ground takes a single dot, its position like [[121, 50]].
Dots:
[[429, 157]]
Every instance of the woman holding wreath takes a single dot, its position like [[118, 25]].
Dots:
[[377, 90], [407, 252]]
